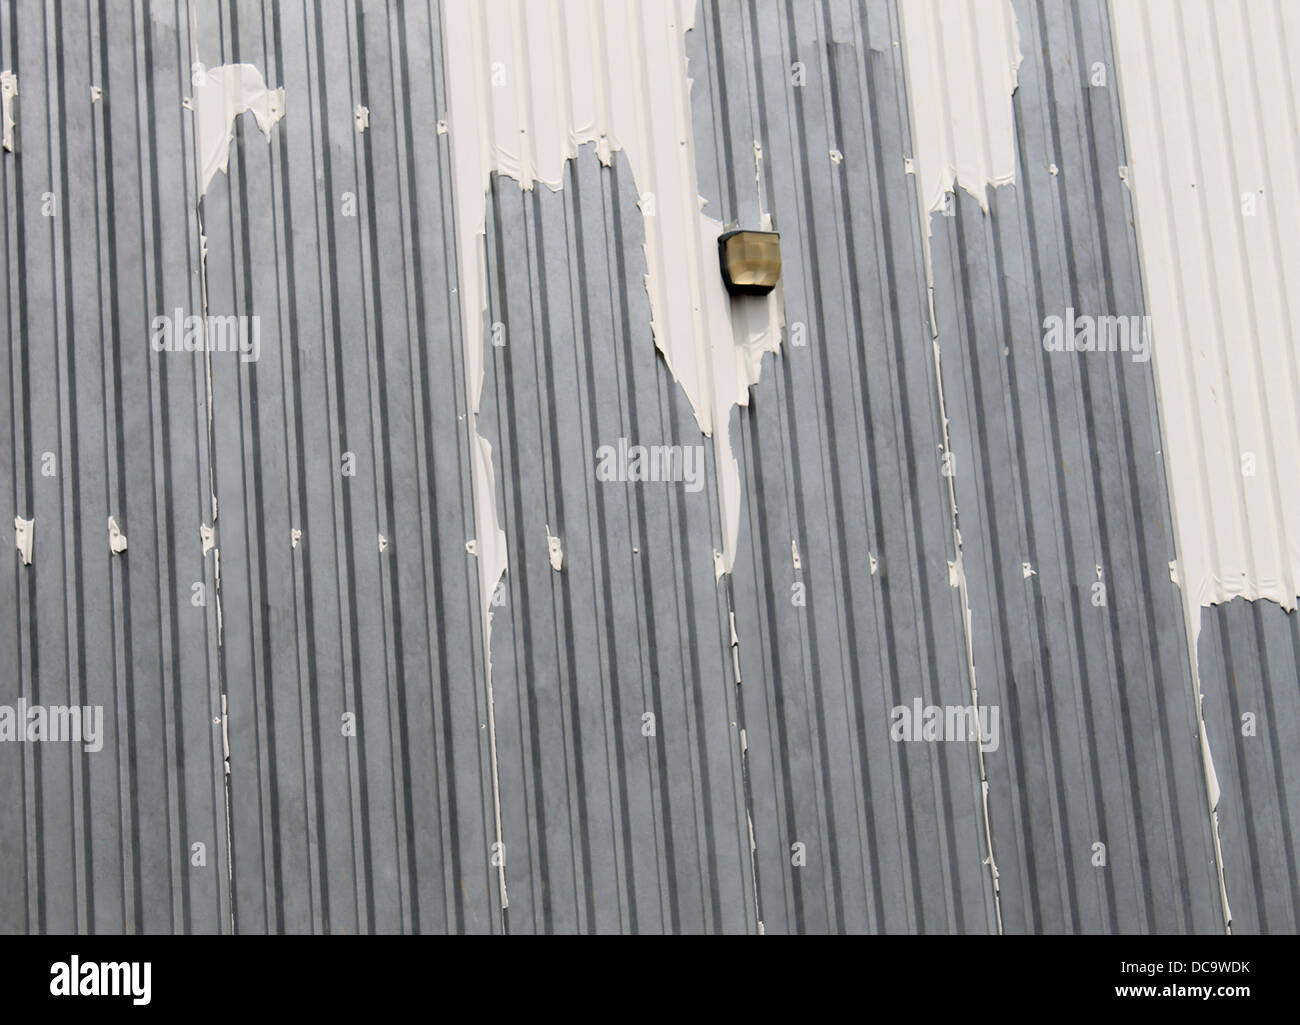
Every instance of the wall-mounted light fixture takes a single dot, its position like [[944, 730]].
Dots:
[[751, 261]]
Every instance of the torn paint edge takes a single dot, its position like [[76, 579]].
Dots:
[[116, 539], [555, 549], [221, 95], [8, 93], [24, 538]]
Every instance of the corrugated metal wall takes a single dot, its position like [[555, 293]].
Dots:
[[1058, 466], [1249, 664], [103, 841], [1210, 98]]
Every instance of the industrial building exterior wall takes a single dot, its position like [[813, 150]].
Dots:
[[769, 795]]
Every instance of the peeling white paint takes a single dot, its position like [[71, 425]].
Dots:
[[116, 539], [526, 119], [556, 549], [24, 537], [962, 60], [735, 649], [794, 555], [295, 535], [222, 94], [1027, 570], [8, 92], [209, 538], [753, 872], [216, 578], [96, 94], [362, 117], [383, 543]]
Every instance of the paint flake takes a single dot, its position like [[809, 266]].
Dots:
[[24, 536], [8, 93], [116, 539], [221, 95], [556, 549]]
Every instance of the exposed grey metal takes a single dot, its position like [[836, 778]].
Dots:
[[846, 506]]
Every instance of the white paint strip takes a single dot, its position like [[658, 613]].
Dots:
[[8, 91], [222, 94], [962, 59], [1210, 94], [362, 117], [24, 537]]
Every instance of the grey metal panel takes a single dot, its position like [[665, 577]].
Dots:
[[387, 830], [1249, 655], [1059, 468], [607, 829], [103, 841], [841, 454]]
